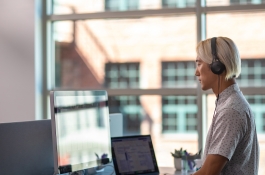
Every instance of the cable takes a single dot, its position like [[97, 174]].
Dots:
[[218, 88]]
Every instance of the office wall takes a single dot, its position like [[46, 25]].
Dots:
[[17, 77]]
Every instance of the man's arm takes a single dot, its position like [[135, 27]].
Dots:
[[213, 165]]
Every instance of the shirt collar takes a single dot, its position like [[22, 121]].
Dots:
[[228, 92]]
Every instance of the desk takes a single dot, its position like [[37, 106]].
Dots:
[[172, 171]]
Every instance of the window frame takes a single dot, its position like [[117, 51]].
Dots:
[[45, 50]]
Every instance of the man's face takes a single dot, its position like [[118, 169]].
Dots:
[[204, 74]]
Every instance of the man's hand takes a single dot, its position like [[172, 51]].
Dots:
[[213, 165]]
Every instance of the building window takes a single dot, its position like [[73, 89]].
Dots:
[[178, 74], [191, 122], [252, 73], [178, 3], [121, 5], [131, 110], [246, 1], [170, 122], [122, 75], [179, 114], [263, 117], [257, 106]]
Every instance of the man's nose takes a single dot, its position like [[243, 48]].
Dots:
[[196, 73]]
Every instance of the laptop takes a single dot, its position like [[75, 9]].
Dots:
[[134, 155]]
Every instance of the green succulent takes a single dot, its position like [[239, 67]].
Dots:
[[183, 153], [178, 153]]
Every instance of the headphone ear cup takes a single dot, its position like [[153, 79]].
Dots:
[[217, 67]]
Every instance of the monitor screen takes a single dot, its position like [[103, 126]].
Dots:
[[80, 129]]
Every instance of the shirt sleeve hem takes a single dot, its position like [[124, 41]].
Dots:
[[218, 153]]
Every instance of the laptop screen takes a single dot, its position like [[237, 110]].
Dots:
[[133, 155]]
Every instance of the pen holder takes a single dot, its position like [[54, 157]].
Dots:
[[188, 164]]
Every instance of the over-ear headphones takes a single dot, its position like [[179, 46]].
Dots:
[[217, 66]]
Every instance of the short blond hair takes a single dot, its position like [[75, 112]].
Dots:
[[227, 53]]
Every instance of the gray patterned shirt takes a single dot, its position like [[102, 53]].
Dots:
[[233, 135]]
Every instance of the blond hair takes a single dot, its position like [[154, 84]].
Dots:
[[227, 53]]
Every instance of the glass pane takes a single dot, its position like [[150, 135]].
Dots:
[[252, 73], [257, 106], [178, 74], [247, 32], [232, 2], [92, 6], [122, 75], [179, 114], [178, 3], [132, 111], [78, 6], [124, 53], [171, 120], [245, 29]]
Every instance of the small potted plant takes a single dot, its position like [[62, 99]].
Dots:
[[184, 160], [178, 155]]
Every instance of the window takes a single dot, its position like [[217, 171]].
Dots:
[[145, 60], [232, 2], [178, 74], [257, 106], [131, 110], [122, 75], [170, 122], [247, 1], [263, 117], [191, 122], [178, 3], [179, 114], [121, 5], [252, 73]]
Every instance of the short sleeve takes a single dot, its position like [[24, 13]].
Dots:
[[228, 131]]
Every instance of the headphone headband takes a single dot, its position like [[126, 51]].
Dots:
[[214, 50]]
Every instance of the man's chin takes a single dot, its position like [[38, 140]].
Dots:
[[204, 88]]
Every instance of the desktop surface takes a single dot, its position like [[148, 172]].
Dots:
[[172, 171]]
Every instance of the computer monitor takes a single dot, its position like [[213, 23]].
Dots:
[[80, 130], [26, 148]]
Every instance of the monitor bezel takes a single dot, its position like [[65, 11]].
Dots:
[[53, 95]]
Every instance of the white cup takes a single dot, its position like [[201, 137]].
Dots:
[[198, 163]]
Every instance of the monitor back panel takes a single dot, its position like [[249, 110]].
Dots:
[[116, 125], [26, 148]]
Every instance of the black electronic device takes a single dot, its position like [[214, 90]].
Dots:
[[134, 155], [217, 67], [26, 148]]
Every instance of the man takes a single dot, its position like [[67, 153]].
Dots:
[[231, 146]]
